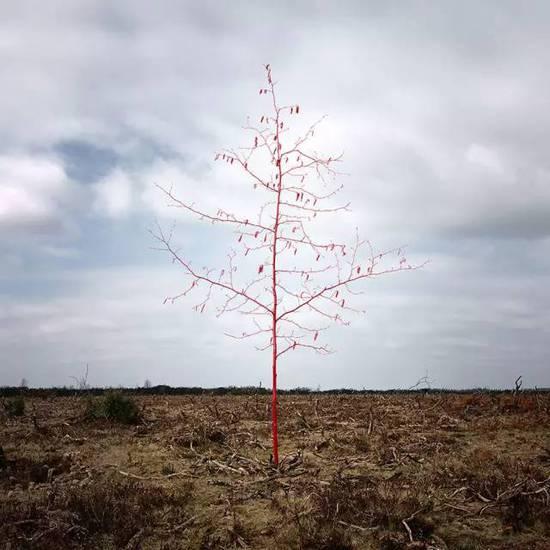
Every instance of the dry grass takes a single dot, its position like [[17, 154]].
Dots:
[[103, 513], [378, 471]]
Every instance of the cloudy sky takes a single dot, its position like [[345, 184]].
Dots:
[[442, 110]]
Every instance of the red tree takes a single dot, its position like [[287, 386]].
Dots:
[[297, 276]]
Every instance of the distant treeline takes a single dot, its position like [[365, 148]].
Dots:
[[9, 391]]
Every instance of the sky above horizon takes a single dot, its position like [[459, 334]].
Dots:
[[443, 114]]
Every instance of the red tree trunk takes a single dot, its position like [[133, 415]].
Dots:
[[274, 284], [274, 405]]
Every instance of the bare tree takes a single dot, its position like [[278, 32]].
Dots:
[[302, 284], [517, 385], [423, 383], [82, 381]]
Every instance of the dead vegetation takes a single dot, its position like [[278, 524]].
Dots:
[[105, 513], [377, 471]]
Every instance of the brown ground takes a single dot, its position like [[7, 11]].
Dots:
[[377, 471]]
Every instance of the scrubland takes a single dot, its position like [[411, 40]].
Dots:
[[378, 471]]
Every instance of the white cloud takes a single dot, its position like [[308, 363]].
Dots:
[[32, 192], [114, 195], [485, 157]]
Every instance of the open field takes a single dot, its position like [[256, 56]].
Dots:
[[457, 471]]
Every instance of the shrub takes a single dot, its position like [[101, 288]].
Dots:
[[114, 406], [308, 529], [374, 503], [15, 406], [109, 513], [120, 408], [117, 508]]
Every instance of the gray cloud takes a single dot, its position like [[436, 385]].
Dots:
[[86, 162]]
